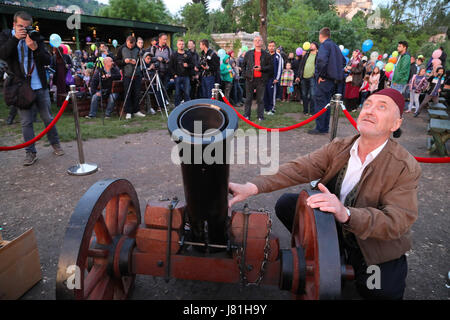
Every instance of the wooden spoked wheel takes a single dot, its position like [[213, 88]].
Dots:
[[95, 257], [315, 232]]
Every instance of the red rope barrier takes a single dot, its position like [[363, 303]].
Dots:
[[295, 126], [419, 159], [39, 136]]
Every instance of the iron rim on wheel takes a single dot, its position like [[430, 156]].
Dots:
[[95, 257]]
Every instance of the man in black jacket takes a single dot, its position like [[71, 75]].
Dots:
[[257, 68], [103, 79], [25, 56], [180, 66], [209, 68]]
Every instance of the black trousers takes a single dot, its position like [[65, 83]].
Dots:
[[132, 103], [260, 85], [392, 273]]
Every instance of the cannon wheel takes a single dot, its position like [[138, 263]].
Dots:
[[94, 261], [315, 231]]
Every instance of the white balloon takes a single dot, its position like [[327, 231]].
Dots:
[[341, 47], [374, 56]]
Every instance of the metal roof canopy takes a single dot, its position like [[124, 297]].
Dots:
[[90, 21]]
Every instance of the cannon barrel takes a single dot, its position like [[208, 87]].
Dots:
[[203, 130]]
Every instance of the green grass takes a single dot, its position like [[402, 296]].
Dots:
[[288, 113]]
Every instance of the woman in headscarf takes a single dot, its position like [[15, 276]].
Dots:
[[61, 63], [353, 81]]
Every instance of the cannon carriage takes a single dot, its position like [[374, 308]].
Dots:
[[108, 242]]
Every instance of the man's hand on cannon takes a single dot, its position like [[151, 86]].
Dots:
[[241, 192], [328, 202]]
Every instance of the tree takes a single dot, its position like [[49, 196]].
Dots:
[[195, 17], [141, 10]]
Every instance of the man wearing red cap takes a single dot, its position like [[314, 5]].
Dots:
[[369, 183]]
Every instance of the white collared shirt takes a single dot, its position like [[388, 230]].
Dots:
[[355, 168]]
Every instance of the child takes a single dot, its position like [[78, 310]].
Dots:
[[417, 84], [374, 80], [226, 75], [364, 90], [435, 83], [287, 81]]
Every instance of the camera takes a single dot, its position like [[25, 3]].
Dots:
[[32, 33], [157, 64]]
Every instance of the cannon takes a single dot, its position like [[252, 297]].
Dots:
[[108, 242]]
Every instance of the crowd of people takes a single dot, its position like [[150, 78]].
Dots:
[[310, 77]]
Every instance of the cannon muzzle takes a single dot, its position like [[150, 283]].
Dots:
[[203, 130]]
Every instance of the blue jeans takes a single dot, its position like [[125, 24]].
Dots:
[[182, 86], [323, 93], [399, 87], [42, 104], [308, 94], [237, 91], [109, 108], [207, 86]]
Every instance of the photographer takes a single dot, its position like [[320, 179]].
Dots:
[[24, 51], [195, 73], [180, 67], [132, 77], [106, 76], [161, 57], [209, 68]]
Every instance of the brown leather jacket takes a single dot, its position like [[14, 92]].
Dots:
[[386, 203]]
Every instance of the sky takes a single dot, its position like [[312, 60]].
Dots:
[[175, 5]]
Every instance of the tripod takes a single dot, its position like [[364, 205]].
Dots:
[[140, 63], [98, 65], [159, 86]]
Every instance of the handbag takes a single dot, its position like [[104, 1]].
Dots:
[[18, 92], [69, 78]]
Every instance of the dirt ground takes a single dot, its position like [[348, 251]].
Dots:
[[44, 196]]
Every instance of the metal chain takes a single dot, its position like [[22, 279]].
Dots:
[[241, 253]]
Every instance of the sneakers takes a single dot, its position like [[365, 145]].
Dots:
[[89, 117], [30, 158], [139, 114], [270, 113], [260, 119], [152, 111], [57, 149], [128, 116]]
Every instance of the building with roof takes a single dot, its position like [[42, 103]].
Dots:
[[348, 8], [97, 29]]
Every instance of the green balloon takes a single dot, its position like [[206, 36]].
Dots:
[[244, 49], [93, 47]]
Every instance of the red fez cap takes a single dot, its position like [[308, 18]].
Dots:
[[394, 95]]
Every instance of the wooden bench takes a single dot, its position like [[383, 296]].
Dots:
[[440, 132], [438, 106], [437, 114]]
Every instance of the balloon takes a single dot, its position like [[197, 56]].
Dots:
[[345, 52], [392, 60], [380, 57], [385, 56], [55, 40], [374, 56], [115, 43], [341, 47], [244, 49], [436, 62], [93, 47], [346, 60], [306, 46], [420, 56], [88, 39], [395, 54], [389, 67], [64, 49], [367, 45], [299, 51], [437, 54], [379, 64], [221, 53]]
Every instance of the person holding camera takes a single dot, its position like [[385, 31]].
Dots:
[[106, 76], [161, 54], [209, 68], [24, 51], [195, 72], [180, 66], [132, 76]]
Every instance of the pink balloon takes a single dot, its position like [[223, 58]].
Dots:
[[436, 62], [437, 54], [65, 50]]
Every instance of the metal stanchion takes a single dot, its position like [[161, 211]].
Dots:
[[215, 91], [81, 169], [335, 105]]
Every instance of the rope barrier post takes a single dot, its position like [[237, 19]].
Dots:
[[335, 103], [215, 91], [83, 168]]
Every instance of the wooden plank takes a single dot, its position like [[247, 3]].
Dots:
[[439, 125], [20, 268]]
